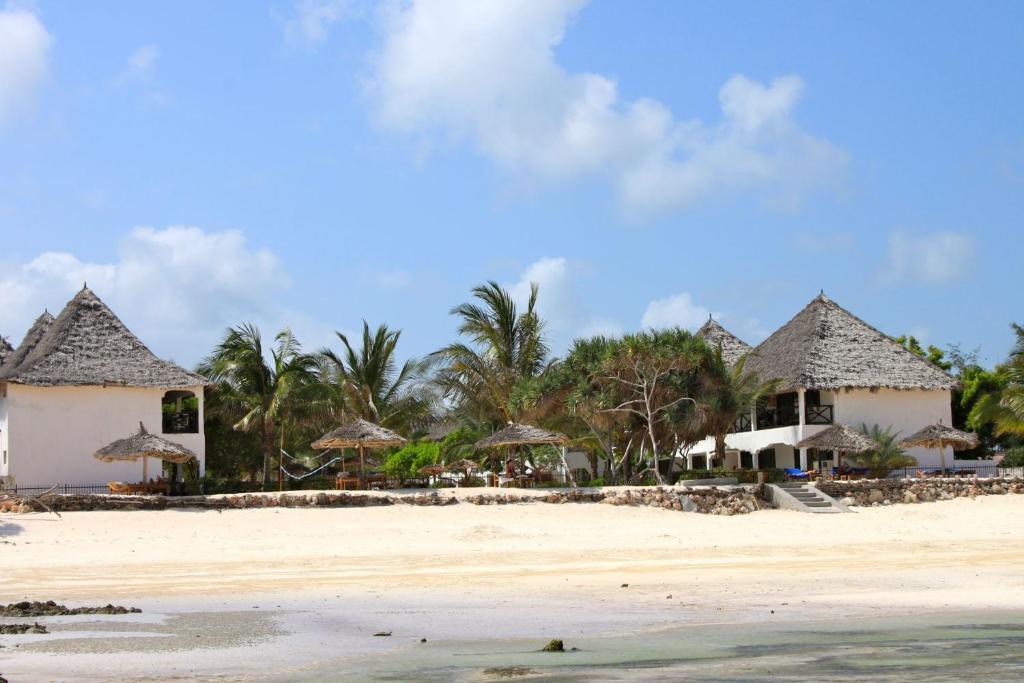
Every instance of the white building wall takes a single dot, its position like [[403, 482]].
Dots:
[[52, 432], [904, 411]]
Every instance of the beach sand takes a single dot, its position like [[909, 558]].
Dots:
[[329, 578]]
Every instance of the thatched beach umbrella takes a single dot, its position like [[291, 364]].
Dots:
[[464, 466], [527, 435], [841, 439], [940, 436], [144, 445], [359, 434]]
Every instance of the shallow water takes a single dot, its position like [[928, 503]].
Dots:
[[894, 649], [306, 642]]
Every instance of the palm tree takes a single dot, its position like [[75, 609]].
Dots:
[[368, 383], [888, 457], [729, 393], [504, 347], [261, 396], [1004, 409]]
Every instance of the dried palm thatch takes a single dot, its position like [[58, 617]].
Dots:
[[733, 348], [940, 436], [840, 438], [521, 435], [88, 345], [462, 466], [5, 349], [359, 433], [432, 470], [142, 444], [826, 347], [32, 337]]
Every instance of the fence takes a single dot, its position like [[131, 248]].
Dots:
[[959, 470], [57, 488]]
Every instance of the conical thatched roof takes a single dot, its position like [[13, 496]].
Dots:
[[359, 432], [733, 348], [29, 342], [88, 345], [940, 436], [826, 347], [5, 349], [839, 437], [142, 444], [521, 435]]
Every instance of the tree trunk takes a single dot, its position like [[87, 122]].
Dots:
[[719, 449], [268, 452]]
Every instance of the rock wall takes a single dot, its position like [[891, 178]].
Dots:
[[711, 500], [889, 491]]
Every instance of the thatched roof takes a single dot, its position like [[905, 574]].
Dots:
[[733, 348], [521, 435], [826, 347], [839, 437], [142, 444], [461, 465], [31, 338], [940, 436], [359, 432], [88, 345], [5, 349]]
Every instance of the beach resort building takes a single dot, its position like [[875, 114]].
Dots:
[[76, 383], [834, 368]]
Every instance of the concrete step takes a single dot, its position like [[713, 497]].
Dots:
[[805, 498]]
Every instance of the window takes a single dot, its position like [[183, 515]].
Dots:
[[766, 459], [180, 413]]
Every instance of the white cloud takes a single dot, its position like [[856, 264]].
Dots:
[[485, 73], [560, 303], [678, 310], [24, 46], [140, 72], [312, 19], [930, 258], [177, 288], [141, 66]]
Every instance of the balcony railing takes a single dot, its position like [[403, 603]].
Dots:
[[769, 418], [185, 422], [819, 415], [741, 424]]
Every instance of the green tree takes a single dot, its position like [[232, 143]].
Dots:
[[368, 382], [503, 346], [729, 393], [257, 394], [932, 354], [1003, 408], [887, 457]]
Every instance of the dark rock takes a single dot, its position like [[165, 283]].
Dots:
[[555, 645]]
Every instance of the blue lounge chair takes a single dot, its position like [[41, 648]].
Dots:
[[796, 473]]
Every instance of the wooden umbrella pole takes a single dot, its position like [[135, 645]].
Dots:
[[362, 469], [145, 469]]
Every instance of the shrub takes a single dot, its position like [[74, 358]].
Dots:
[[1014, 458]]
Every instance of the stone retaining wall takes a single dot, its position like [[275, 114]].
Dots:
[[889, 491], [712, 500]]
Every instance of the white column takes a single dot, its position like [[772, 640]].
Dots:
[[756, 462], [753, 418], [801, 408]]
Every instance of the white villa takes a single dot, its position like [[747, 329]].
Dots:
[[80, 381], [834, 368]]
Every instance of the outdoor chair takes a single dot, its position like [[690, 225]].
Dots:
[[796, 473]]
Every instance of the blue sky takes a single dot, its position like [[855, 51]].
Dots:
[[317, 162]]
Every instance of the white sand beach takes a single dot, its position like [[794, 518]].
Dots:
[[465, 571]]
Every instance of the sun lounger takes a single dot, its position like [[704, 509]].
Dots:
[[796, 473]]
